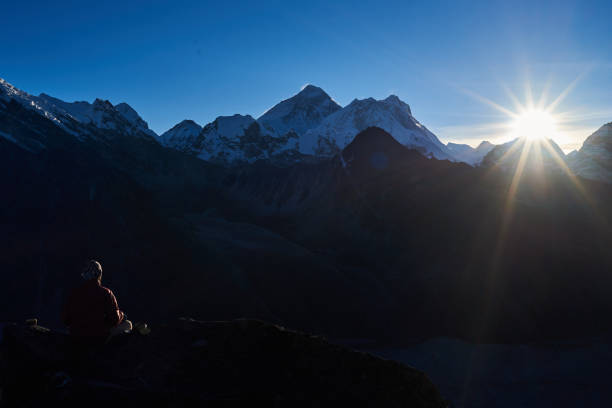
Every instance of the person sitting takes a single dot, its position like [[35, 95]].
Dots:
[[91, 312]]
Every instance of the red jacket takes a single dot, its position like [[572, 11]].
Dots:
[[91, 310]]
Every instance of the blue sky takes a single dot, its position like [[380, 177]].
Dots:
[[198, 60]]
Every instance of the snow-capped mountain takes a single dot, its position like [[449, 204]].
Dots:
[[241, 138], [229, 139], [594, 159], [299, 113], [81, 118], [307, 124], [183, 136], [468, 154], [134, 118], [390, 114]]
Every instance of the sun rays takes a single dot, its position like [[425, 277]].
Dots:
[[535, 124], [532, 160], [533, 127]]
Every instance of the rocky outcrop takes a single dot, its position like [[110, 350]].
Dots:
[[193, 363]]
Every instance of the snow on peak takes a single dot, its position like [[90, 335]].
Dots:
[[299, 113], [232, 126], [391, 114], [485, 145], [228, 139], [601, 135], [75, 117], [311, 91], [128, 112], [182, 136], [8, 92], [468, 154], [594, 159], [237, 138], [394, 100], [134, 118]]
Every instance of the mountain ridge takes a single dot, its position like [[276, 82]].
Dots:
[[594, 159], [300, 112], [307, 125], [390, 114], [468, 154], [82, 119]]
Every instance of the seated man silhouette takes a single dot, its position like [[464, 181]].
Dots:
[[91, 311]]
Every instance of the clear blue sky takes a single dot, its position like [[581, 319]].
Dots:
[[198, 60]]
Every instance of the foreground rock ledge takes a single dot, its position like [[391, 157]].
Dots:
[[193, 363]]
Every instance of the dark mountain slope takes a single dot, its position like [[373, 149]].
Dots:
[[137, 207], [448, 250], [377, 242]]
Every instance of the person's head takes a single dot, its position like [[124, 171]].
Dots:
[[92, 271]]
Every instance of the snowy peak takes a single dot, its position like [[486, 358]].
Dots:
[[302, 112], [468, 154], [128, 112], [231, 140], [594, 159], [485, 145], [103, 105], [134, 118], [181, 134], [311, 91], [231, 126], [395, 101], [240, 139], [8, 92], [391, 114], [80, 118], [602, 136]]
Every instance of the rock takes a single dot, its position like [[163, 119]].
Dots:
[[191, 363]]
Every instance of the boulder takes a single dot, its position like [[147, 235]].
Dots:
[[192, 363]]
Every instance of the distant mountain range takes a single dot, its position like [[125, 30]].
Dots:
[[468, 154], [308, 125], [81, 119], [294, 219]]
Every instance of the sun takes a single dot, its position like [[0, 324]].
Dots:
[[534, 125]]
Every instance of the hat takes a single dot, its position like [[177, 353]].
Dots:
[[93, 270]]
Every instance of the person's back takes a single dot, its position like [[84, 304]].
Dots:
[[91, 311]]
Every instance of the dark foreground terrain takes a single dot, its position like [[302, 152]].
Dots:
[[193, 363], [570, 373]]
